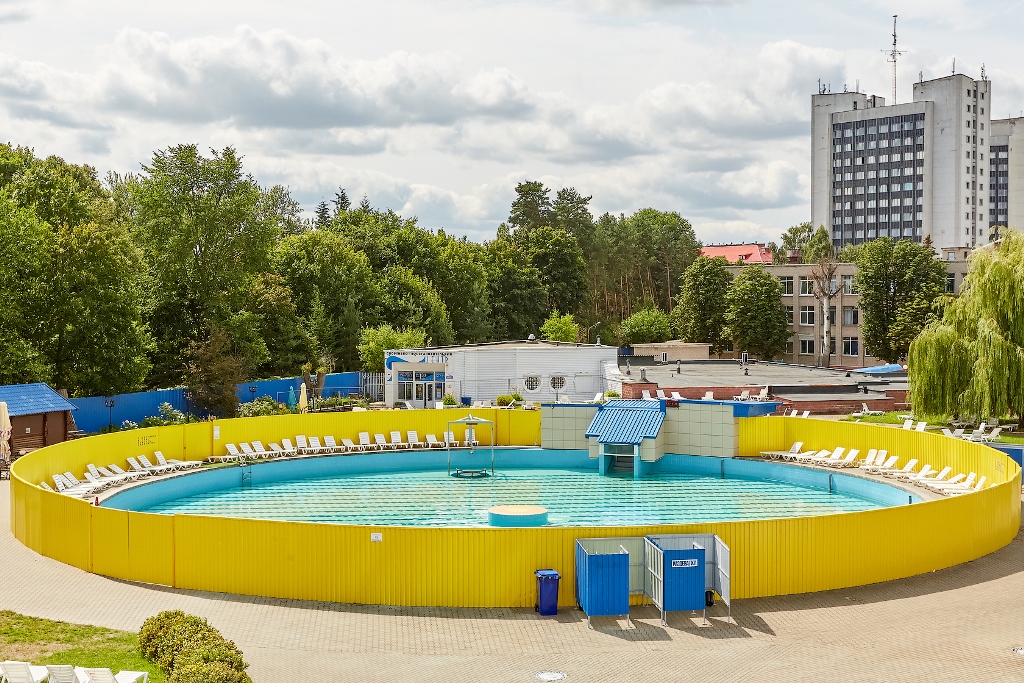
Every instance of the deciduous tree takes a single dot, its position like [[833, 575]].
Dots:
[[699, 315], [756, 317], [560, 328], [646, 326], [374, 341]]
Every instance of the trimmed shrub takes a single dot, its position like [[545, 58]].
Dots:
[[450, 400], [190, 650], [213, 672], [504, 400], [153, 629], [612, 394]]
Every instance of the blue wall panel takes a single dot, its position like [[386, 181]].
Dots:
[[602, 583], [684, 580]]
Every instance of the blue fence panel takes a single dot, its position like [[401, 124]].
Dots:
[[93, 414], [684, 580], [602, 583]]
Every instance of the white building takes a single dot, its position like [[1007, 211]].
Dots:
[[542, 371], [907, 171], [1006, 180]]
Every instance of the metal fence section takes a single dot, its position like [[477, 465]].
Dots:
[[723, 571], [717, 564], [371, 385]]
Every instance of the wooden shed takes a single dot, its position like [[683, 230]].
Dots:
[[39, 416]]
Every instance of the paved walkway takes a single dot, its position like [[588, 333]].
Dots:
[[955, 625]]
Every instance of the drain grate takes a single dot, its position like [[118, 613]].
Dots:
[[551, 676], [1019, 650]]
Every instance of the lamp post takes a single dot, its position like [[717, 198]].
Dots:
[[252, 392], [187, 395], [109, 403], [592, 327]]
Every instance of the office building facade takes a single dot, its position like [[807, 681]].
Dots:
[[908, 171], [1006, 152]]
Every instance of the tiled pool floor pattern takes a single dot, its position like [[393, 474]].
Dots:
[[573, 498]]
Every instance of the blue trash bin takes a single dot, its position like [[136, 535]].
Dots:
[[547, 592], [467, 401]]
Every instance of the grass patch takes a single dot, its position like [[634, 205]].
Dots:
[[43, 641], [892, 418]]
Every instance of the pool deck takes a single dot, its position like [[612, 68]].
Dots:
[[958, 624]]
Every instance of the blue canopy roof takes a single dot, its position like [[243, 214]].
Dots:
[[30, 399], [882, 369], [627, 421]]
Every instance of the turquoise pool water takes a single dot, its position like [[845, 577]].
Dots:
[[574, 497]]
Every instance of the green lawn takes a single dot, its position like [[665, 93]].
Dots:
[[42, 641]]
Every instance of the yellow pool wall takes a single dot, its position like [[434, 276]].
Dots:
[[460, 567]]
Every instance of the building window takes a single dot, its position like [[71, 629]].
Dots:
[[789, 348], [950, 279], [786, 282], [789, 315], [557, 382], [807, 315], [806, 286], [851, 346], [847, 284], [851, 315], [807, 346], [531, 382]]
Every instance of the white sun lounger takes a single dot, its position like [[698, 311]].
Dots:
[[414, 439], [315, 446], [381, 442], [471, 439], [22, 672], [450, 440], [932, 475], [967, 489], [762, 396], [396, 441], [332, 446], [135, 473], [867, 411], [646, 395], [91, 478], [661, 395], [920, 426], [61, 673], [807, 413], [811, 455], [908, 424], [108, 476], [352, 447], [276, 451], [232, 454], [818, 459], [905, 470], [432, 442], [951, 484], [848, 461], [86, 487], [793, 450], [908, 476], [158, 469], [180, 464], [676, 396], [107, 676], [288, 448], [939, 485], [744, 396], [887, 465], [259, 451], [991, 436], [301, 445], [364, 441]]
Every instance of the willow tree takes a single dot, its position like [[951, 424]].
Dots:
[[971, 362]]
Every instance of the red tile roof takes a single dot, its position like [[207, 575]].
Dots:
[[735, 253]]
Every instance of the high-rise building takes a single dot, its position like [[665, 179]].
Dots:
[[1006, 180], [907, 171]]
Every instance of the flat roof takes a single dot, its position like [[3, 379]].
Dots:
[[729, 373], [515, 344]]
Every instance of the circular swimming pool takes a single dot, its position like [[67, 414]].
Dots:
[[416, 490]]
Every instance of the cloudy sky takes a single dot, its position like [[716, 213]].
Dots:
[[437, 108]]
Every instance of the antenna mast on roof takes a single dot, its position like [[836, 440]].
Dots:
[[893, 56]]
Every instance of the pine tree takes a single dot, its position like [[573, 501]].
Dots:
[[341, 201], [323, 215]]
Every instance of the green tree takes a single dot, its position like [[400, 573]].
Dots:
[[323, 215], [970, 360], [332, 286], [408, 301], [213, 371], [898, 280], [560, 328], [571, 212], [797, 237], [288, 343], [819, 247], [341, 202], [756, 318], [374, 341], [205, 227], [24, 240], [531, 208], [91, 327], [699, 315], [646, 326], [515, 291], [559, 259], [850, 253]]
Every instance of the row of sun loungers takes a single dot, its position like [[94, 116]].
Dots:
[[879, 462], [313, 446], [98, 479], [23, 672], [979, 435]]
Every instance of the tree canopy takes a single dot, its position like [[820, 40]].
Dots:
[[898, 281], [700, 312], [756, 318], [646, 326], [970, 361], [560, 328]]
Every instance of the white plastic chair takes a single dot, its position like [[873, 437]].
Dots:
[[61, 673], [414, 439], [22, 672], [107, 676]]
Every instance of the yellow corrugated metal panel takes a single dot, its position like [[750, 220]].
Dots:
[[494, 567], [150, 555], [110, 543]]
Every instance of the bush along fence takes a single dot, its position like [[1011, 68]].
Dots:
[[190, 650], [98, 412]]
